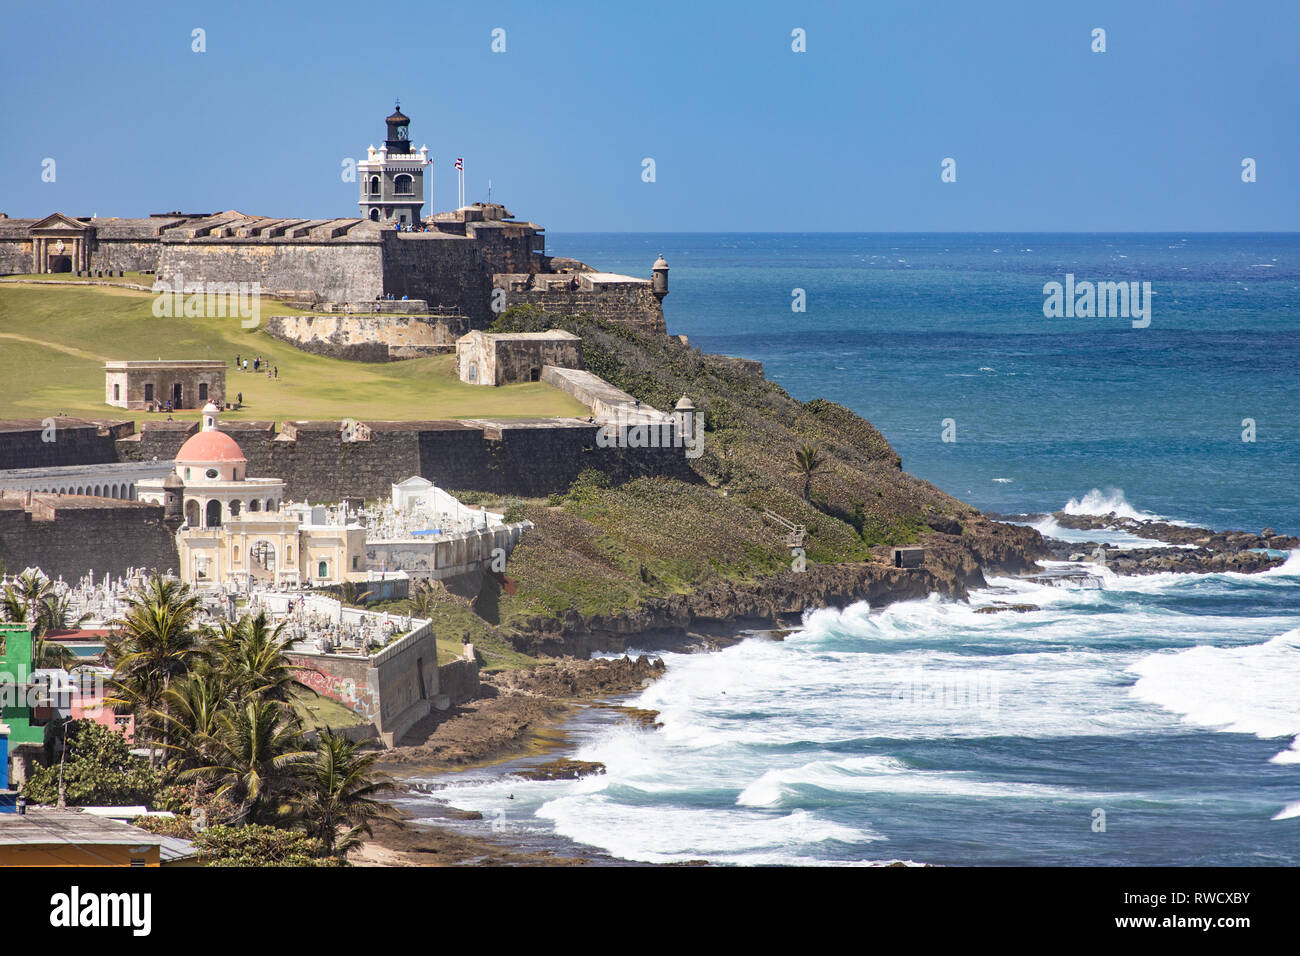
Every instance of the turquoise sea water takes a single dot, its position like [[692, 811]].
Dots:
[[1162, 707]]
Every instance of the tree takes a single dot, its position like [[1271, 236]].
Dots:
[[156, 642], [809, 462], [338, 793], [252, 653], [253, 757], [354, 596], [98, 770], [423, 600]]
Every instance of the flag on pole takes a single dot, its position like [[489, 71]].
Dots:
[[460, 163]]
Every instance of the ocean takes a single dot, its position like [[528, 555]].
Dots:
[[1139, 720]]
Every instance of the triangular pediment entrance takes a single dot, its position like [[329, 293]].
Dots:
[[58, 222]]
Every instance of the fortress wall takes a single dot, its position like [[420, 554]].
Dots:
[[72, 536], [625, 303], [129, 255], [15, 256], [369, 338], [72, 445], [508, 248], [531, 459], [338, 271], [442, 271]]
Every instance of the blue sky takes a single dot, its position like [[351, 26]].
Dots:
[[746, 134]]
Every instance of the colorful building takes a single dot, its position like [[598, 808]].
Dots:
[[22, 738]]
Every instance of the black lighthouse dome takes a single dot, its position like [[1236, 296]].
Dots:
[[399, 134]]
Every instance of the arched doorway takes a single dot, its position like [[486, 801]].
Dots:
[[213, 514], [262, 559]]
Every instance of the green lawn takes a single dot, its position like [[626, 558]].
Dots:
[[54, 341], [318, 711]]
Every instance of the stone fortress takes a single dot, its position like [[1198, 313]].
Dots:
[[385, 284], [453, 269]]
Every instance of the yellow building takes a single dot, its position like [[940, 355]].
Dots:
[[237, 529], [298, 544], [49, 837]]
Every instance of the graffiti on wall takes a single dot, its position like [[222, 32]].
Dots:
[[360, 700]]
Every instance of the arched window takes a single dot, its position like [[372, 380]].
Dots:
[[192, 513], [213, 514], [323, 570], [270, 505], [402, 186], [234, 509], [254, 505], [374, 185]]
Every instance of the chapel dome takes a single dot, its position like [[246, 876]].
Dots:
[[209, 446]]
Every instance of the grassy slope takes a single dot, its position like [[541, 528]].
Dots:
[[54, 341], [602, 550]]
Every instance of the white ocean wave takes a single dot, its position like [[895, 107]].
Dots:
[[1097, 503], [1245, 690]]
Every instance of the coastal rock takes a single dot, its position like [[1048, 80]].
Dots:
[[998, 607], [567, 678], [565, 768], [1179, 534]]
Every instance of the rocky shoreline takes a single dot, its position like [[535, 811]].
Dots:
[[521, 712], [1187, 549], [956, 558]]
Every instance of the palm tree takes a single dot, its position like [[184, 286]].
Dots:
[[809, 462], [352, 595], [338, 791], [156, 642], [193, 707], [29, 590], [54, 613], [422, 600], [253, 757], [252, 652]]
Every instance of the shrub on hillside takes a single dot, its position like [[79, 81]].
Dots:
[[257, 845]]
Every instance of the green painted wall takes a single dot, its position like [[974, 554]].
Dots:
[[15, 673]]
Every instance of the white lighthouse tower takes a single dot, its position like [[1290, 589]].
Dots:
[[392, 177]]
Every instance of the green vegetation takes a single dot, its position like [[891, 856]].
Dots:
[[259, 846], [455, 621], [222, 709], [54, 341], [31, 600], [602, 550], [98, 770]]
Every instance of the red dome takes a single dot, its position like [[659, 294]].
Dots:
[[210, 446]]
